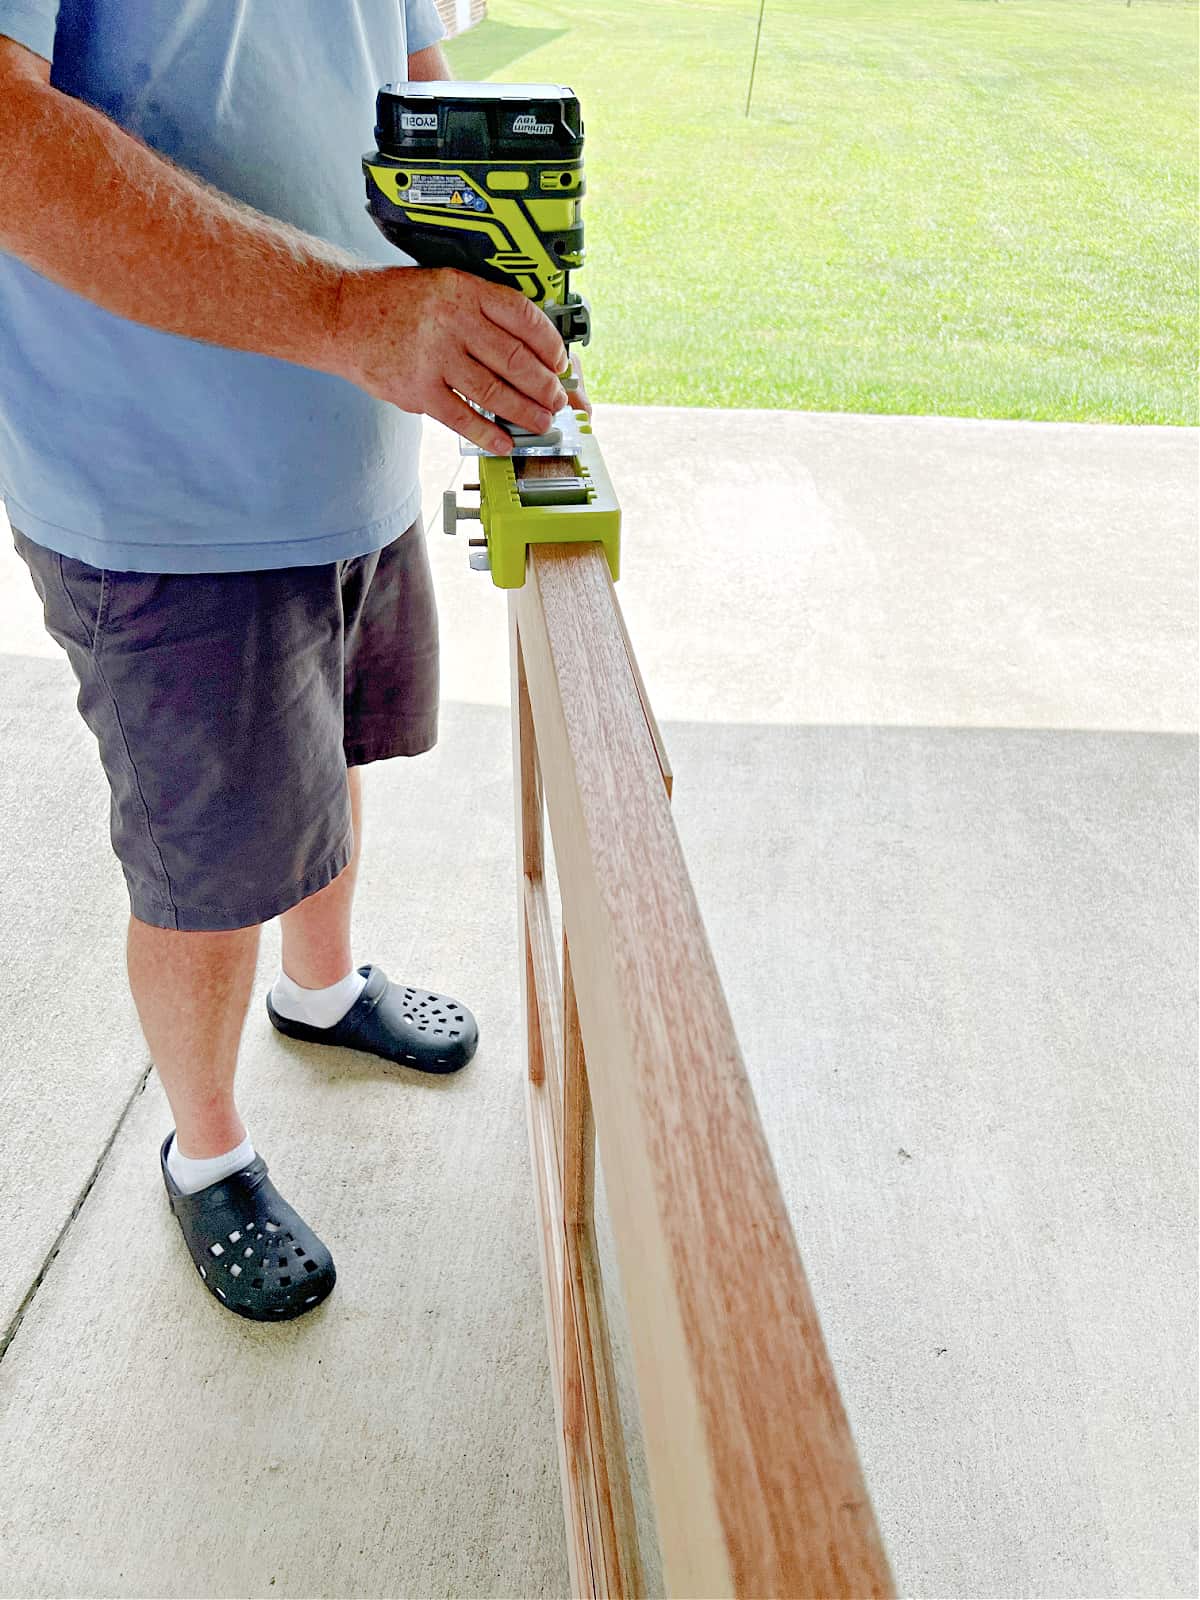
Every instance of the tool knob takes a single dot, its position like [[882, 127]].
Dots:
[[453, 513]]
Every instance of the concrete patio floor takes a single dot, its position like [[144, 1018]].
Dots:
[[929, 690]]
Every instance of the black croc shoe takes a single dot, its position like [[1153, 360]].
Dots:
[[428, 1032], [255, 1255]]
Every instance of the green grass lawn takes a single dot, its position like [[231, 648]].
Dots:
[[968, 207]]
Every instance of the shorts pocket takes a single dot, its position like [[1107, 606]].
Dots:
[[87, 590], [74, 595]]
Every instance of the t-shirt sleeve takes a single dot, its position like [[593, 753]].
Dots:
[[31, 23], [424, 26]]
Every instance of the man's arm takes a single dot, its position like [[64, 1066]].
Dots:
[[429, 66], [86, 204]]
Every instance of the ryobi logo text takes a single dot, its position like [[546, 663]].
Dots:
[[528, 123], [419, 121]]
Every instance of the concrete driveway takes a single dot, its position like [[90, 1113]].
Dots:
[[929, 690]]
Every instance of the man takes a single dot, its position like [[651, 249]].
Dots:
[[211, 370]]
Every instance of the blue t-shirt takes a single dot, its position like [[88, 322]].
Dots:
[[143, 451]]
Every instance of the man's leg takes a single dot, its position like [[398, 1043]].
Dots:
[[316, 933], [192, 991]]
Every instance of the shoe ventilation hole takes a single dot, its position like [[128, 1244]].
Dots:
[[278, 1268]]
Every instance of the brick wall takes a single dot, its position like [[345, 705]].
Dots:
[[459, 15]]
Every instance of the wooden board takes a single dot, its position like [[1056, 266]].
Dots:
[[756, 1483]]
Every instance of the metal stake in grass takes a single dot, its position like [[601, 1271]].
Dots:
[[762, 6]]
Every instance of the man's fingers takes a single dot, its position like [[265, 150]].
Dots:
[[480, 384], [454, 411], [515, 364], [510, 310]]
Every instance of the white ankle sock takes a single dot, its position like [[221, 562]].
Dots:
[[192, 1173], [319, 1008]]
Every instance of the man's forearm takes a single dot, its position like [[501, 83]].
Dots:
[[89, 206]]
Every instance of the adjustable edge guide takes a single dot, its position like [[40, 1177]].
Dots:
[[526, 500]]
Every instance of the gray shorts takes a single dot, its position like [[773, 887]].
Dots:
[[228, 706]]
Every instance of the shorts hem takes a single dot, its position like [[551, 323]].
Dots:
[[417, 740], [158, 913]]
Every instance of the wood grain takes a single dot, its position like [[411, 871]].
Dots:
[[593, 1461], [543, 1152], [545, 466], [755, 1479], [616, 1556], [564, 466], [547, 998], [579, 1131]]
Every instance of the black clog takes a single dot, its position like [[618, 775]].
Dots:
[[428, 1032], [252, 1251]]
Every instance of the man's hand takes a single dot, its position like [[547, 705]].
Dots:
[[424, 338]]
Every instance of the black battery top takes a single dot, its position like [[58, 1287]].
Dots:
[[448, 121]]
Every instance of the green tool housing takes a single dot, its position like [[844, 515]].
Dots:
[[578, 508]]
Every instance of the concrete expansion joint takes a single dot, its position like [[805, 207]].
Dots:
[[10, 1332]]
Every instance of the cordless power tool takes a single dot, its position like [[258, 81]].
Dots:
[[488, 178]]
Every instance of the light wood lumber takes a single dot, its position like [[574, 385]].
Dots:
[[539, 1122], [547, 996], [563, 466], [755, 1479], [579, 1131], [616, 1553]]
